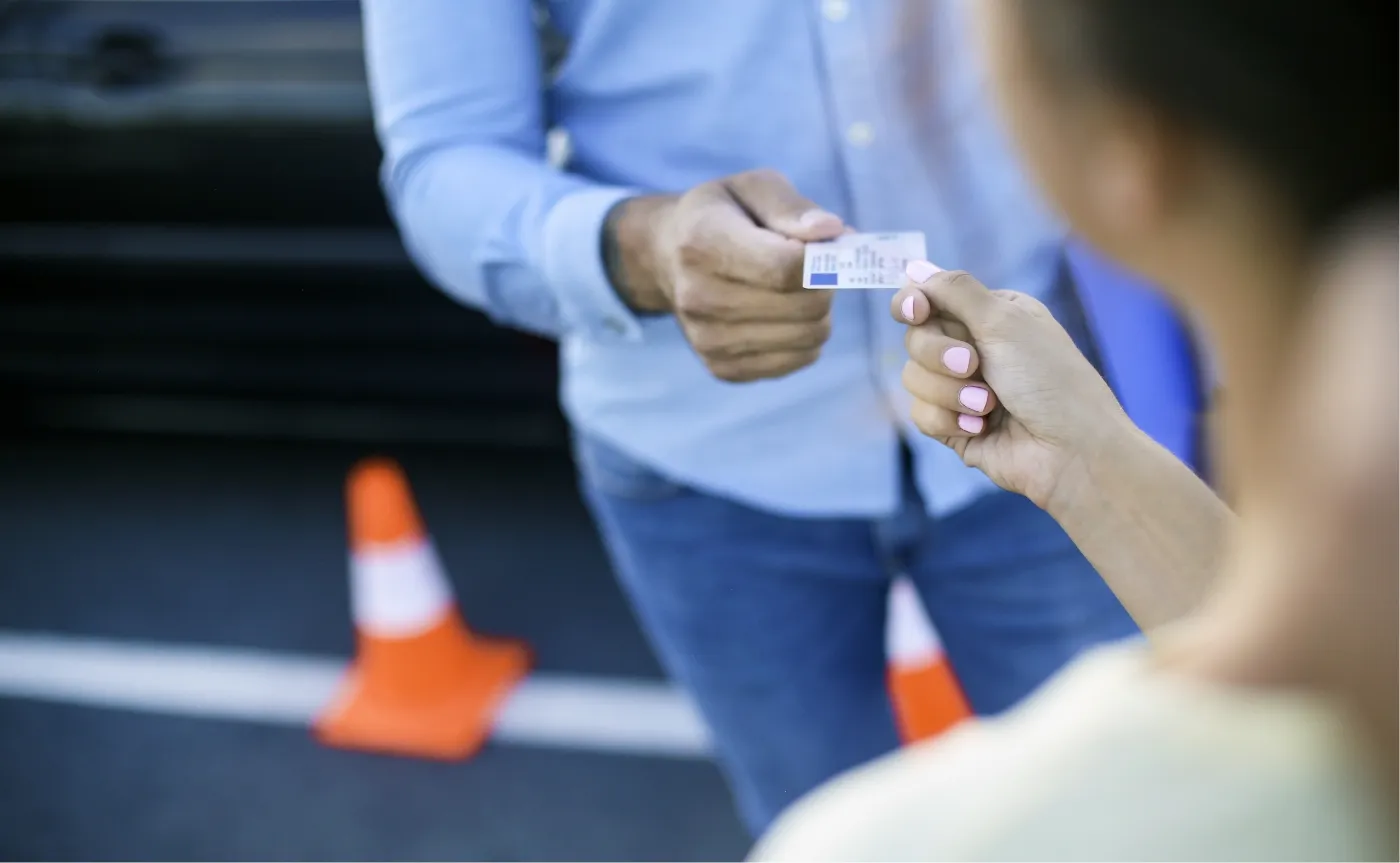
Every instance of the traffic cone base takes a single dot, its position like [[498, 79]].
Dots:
[[433, 696], [927, 700], [422, 684], [924, 690]]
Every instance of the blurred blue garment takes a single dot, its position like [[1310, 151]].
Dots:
[[1146, 351], [661, 96]]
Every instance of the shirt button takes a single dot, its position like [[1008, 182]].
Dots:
[[613, 325], [836, 10], [860, 133], [557, 148]]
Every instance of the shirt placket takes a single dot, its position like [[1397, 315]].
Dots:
[[866, 144]]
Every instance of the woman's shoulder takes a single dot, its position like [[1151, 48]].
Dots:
[[1110, 760]]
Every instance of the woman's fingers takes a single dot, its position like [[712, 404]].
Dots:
[[973, 398], [930, 347], [948, 401], [938, 422]]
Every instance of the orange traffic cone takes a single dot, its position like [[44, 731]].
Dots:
[[422, 683], [926, 695]]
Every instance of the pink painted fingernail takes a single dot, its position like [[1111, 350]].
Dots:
[[907, 308], [958, 360], [971, 425], [974, 398], [920, 271]]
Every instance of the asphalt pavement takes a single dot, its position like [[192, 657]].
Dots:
[[236, 545]]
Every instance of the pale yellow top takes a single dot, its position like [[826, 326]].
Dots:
[[1110, 761]]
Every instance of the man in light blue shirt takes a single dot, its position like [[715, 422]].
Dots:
[[744, 445]]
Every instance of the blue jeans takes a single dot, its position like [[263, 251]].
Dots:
[[775, 625]]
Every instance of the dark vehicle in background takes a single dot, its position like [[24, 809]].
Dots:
[[193, 239]]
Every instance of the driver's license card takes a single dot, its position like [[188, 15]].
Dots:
[[861, 260]]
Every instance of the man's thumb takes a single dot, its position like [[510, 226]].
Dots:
[[774, 204]]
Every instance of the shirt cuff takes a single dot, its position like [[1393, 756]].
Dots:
[[574, 268]]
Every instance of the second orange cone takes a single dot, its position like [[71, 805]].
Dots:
[[925, 693], [422, 683]]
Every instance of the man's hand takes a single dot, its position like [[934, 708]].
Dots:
[[726, 259]]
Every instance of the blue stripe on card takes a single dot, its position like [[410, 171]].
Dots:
[[823, 278]]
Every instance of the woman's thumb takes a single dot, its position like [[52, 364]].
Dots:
[[953, 294], [910, 306]]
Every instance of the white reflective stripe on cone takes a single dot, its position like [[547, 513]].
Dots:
[[910, 639], [398, 591]]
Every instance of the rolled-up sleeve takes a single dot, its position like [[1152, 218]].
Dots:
[[459, 109]]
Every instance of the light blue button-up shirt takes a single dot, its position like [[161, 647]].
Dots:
[[658, 96]]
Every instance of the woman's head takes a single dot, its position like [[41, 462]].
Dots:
[[1175, 133], [1225, 148]]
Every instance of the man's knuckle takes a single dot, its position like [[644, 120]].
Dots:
[[708, 342], [688, 305], [734, 373], [693, 251], [782, 274], [693, 300], [702, 192], [758, 177], [812, 308], [797, 360]]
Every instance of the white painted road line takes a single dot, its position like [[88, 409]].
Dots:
[[620, 716]]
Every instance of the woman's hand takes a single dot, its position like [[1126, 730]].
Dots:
[[995, 377]]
